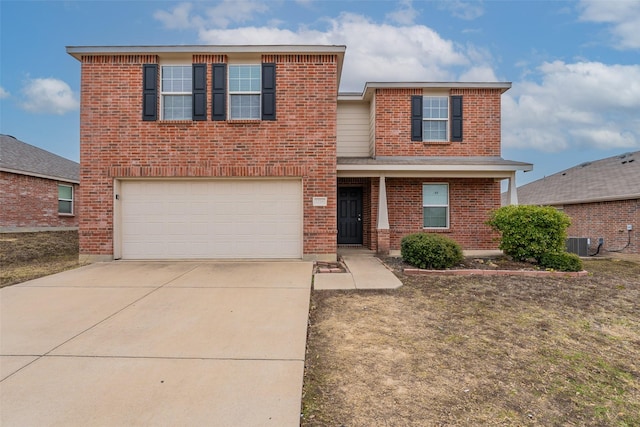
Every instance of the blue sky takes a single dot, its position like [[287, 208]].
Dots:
[[574, 65]]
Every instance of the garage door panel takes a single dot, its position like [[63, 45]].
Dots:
[[211, 219]]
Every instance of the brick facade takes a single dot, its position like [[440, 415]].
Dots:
[[481, 124], [470, 201], [32, 202], [607, 220], [116, 143]]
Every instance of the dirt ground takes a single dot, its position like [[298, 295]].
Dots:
[[478, 351], [26, 256]]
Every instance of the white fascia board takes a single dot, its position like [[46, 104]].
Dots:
[[369, 173], [369, 87], [437, 168], [39, 175]]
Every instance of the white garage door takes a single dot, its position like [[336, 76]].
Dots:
[[211, 219]]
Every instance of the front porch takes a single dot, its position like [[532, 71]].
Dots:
[[381, 200]]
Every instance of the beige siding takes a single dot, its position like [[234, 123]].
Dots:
[[372, 128], [353, 130]]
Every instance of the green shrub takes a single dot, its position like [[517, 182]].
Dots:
[[530, 231], [431, 251], [561, 261]]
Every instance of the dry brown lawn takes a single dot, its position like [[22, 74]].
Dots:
[[26, 256], [478, 351]]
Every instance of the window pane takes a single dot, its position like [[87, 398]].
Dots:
[[176, 107], [435, 194], [65, 207], [435, 217], [176, 78], [435, 107], [434, 130], [65, 192], [245, 107], [244, 78]]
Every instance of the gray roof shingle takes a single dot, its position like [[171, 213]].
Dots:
[[613, 178], [19, 157]]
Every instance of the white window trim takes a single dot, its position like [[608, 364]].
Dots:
[[447, 137], [66, 200], [448, 205], [163, 93], [230, 93]]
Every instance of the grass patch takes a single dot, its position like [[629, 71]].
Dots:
[[27, 256], [474, 350]]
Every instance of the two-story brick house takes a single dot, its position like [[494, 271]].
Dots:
[[251, 152]]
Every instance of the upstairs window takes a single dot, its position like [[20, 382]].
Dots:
[[245, 87], [435, 118], [241, 92], [435, 205], [176, 90], [65, 199]]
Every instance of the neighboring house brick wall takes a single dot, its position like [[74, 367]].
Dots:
[[28, 201], [116, 143], [610, 219], [481, 125], [470, 201]]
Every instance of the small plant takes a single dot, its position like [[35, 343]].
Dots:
[[561, 261], [530, 231], [431, 251]]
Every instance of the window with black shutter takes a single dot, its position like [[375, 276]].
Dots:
[[150, 92], [219, 92], [436, 118], [199, 92]]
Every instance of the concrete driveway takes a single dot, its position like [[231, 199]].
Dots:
[[156, 343]]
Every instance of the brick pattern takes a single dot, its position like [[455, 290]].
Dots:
[[470, 201], [608, 220], [481, 125], [28, 201], [116, 143]]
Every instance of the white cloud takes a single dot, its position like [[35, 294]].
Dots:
[[622, 15], [467, 10], [48, 95], [221, 15], [583, 104], [178, 18], [3, 93], [375, 52], [406, 14]]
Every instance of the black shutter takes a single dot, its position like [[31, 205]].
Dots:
[[456, 118], [199, 92], [268, 91], [219, 93], [149, 92], [416, 118]]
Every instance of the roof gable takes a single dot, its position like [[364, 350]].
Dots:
[[19, 157], [613, 178]]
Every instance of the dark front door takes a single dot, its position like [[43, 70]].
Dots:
[[350, 216]]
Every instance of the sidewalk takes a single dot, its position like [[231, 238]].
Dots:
[[365, 271]]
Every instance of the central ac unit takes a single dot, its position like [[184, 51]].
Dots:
[[578, 246]]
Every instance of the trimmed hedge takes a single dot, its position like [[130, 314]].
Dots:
[[430, 251], [561, 261], [530, 231]]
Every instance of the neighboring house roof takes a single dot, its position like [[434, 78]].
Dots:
[[21, 158], [613, 178]]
